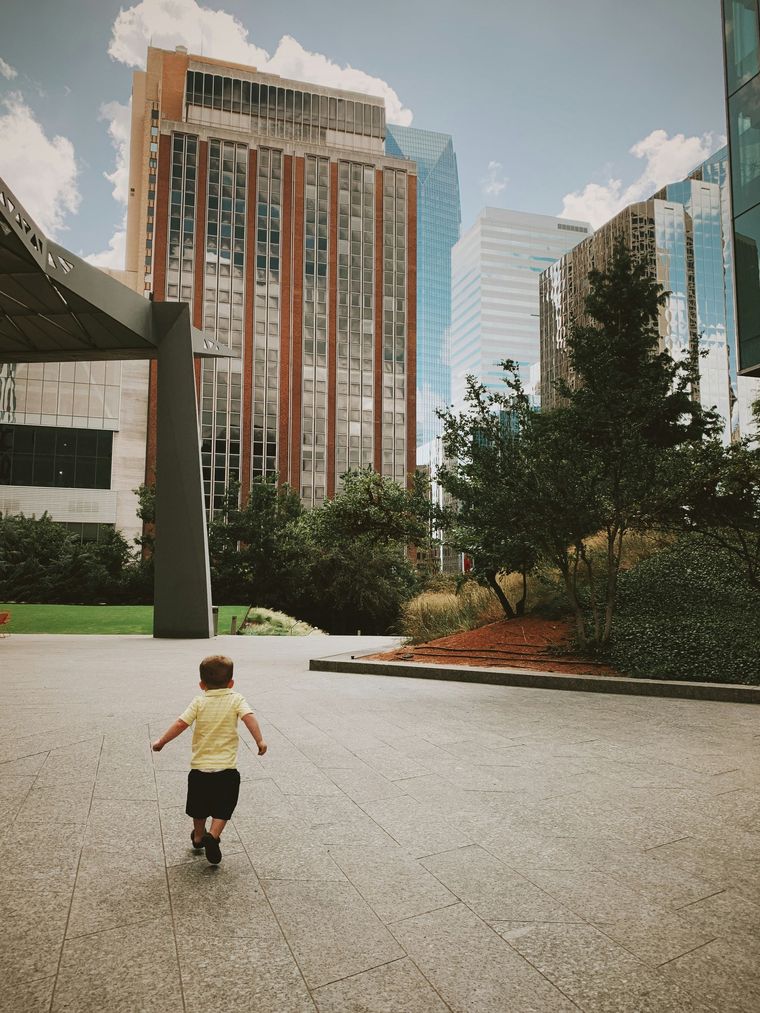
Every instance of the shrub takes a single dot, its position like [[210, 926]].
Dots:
[[261, 622], [434, 614], [40, 561], [688, 613]]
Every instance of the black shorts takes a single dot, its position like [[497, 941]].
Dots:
[[213, 794]]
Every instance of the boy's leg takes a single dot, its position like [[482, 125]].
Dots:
[[199, 829], [216, 828]]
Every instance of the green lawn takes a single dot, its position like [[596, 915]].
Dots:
[[95, 618]]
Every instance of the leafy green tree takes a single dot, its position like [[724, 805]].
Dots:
[[30, 550], [371, 506], [630, 405], [485, 477], [40, 561], [715, 493], [258, 551], [360, 571], [531, 484], [523, 490], [561, 493], [146, 512]]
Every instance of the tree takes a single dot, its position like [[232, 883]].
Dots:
[[717, 496], [360, 573], [30, 549], [530, 484], [41, 561], [258, 552], [373, 507], [631, 406], [485, 475]]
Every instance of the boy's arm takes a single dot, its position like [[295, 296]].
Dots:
[[252, 725], [171, 733]]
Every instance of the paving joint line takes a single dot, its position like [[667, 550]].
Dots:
[[691, 903], [265, 895], [166, 875], [76, 875], [366, 970], [687, 952], [521, 955], [31, 786]]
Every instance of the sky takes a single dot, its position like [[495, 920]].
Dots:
[[571, 107]]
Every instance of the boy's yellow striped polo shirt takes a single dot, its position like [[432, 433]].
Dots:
[[215, 737]]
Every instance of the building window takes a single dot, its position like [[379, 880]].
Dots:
[[742, 42], [48, 456], [744, 129], [747, 259], [88, 531]]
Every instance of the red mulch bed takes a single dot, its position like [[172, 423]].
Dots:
[[509, 643]]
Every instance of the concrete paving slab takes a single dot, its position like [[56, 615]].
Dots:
[[387, 989], [422, 829]]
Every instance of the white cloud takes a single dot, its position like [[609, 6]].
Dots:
[[118, 116], [41, 171], [666, 160], [7, 71], [168, 23], [494, 181], [115, 255]]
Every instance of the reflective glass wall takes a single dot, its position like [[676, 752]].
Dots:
[[741, 20], [438, 219]]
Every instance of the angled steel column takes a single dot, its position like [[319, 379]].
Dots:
[[182, 604]]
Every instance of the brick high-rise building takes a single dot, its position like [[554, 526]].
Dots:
[[270, 206]]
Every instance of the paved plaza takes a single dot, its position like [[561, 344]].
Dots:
[[404, 847]]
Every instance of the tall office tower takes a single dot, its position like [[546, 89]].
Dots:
[[438, 220], [679, 234], [741, 32], [270, 206], [494, 291]]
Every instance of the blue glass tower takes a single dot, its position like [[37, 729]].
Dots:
[[438, 219]]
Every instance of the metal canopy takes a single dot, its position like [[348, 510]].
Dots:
[[55, 307]]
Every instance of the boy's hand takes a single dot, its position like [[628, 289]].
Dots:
[[262, 747], [158, 746]]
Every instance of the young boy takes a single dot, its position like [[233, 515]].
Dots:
[[213, 783]]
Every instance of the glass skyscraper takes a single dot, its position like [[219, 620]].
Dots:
[[438, 220], [741, 27], [681, 234]]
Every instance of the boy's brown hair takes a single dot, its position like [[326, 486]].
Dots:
[[216, 671]]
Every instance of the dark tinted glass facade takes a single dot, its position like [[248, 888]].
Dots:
[[48, 456], [741, 19]]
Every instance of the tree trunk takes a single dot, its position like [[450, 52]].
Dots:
[[570, 590], [520, 608], [592, 592], [493, 583], [614, 552]]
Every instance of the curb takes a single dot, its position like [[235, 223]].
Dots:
[[530, 679]]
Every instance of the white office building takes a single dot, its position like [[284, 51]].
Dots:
[[494, 293]]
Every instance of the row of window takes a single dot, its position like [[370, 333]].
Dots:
[[49, 456], [287, 106]]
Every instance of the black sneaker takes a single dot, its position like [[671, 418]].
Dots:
[[196, 847], [212, 849]]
